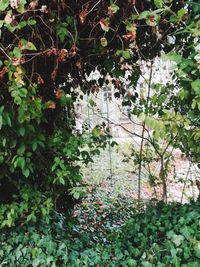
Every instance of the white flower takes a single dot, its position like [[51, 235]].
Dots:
[[43, 9], [14, 3]]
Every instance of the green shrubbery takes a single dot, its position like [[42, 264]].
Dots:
[[161, 235]]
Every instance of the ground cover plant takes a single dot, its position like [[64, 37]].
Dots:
[[159, 235]]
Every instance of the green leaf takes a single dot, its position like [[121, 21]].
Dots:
[[62, 33], [76, 195], [21, 150], [61, 180], [144, 14], [1, 23], [177, 239], [17, 100], [8, 120], [197, 250], [4, 4], [92, 102], [31, 22], [20, 162], [34, 146], [26, 173], [4, 142], [36, 262], [130, 27], [23, 92], [186, 232], [22, 24], [17, 52], [126, 54], [96, 132], [30, 46], [22, 131], [196, 86], [158, 3], [21, 8], [114, 8], [173, 56], [181, 13], [1, 122], [194, 104], [132, 263]]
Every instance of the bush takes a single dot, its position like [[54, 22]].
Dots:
[[161, 235]]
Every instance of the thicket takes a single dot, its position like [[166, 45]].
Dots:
[[46, 49]]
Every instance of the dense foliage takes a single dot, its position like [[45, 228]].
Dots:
[[46, 50], [161, 235]]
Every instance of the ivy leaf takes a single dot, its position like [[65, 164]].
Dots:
[[177, 239], [36, 262], [196, 86], [62, 31]]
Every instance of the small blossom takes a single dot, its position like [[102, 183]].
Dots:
[[33, 4], [40, 80], [78, 64], [9, 18], [43, 9], [18, 61], [51, 105], [58, 94], [14, 3], [82, 16]]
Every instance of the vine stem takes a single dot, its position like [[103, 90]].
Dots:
[[186, 178], [143, 133]]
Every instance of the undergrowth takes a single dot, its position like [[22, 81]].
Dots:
[[158, 235]]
